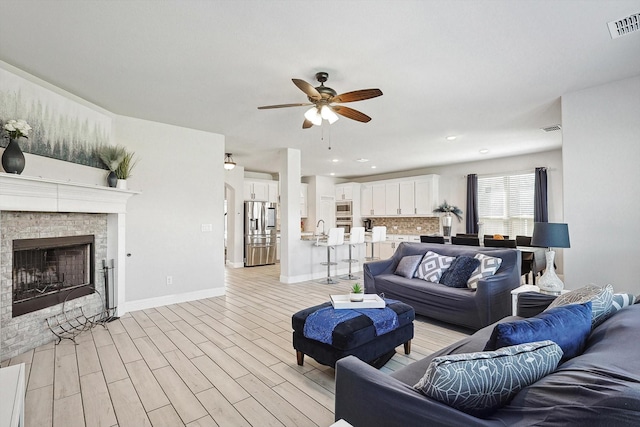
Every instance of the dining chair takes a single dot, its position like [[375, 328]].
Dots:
[[432, 239], [499, 243], [492, 236], [468, 241], [527, 259]]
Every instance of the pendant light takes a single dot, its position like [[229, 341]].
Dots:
[[228, 162]]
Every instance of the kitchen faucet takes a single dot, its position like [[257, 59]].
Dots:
[[318, 225]]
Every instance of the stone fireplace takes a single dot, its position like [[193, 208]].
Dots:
[[76, 223]]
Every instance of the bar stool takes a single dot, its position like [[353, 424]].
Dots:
[[336, 238], [355, 238], [378, 234]]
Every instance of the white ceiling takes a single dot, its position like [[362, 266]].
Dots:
[[490, 72]]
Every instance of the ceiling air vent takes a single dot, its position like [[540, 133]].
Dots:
[[624, 26], [552, 128]]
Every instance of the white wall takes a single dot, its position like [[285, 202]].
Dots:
[[181, 176], [601, 153], [234, 181]]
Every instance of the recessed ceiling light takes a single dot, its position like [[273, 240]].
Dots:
[[335, 160], [451, 138], [361, 160], [373, 167], [332, 173], [484, 151]]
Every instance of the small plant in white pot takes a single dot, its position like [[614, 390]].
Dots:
[[357, 293], [123, 172]]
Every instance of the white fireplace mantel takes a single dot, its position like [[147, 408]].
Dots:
[[35, 194], [27, 193]]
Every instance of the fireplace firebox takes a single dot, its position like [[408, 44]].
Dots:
[[50, 271]]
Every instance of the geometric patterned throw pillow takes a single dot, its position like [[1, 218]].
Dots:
[[488, 267], [601, 300], [479, 383], [432, 266], [621, 301]]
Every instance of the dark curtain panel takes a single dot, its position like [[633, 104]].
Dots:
[[540, 208], [472, 204]]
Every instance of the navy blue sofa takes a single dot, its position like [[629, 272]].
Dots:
[[600, 387], [469, 308]]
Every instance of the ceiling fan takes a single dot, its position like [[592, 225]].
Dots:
[[323, 98]]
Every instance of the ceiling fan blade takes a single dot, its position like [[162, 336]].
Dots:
[[356, 95], [308, 89], [266, 107], [350, 113], [306, 124]]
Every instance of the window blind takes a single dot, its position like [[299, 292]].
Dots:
[[506, 204]]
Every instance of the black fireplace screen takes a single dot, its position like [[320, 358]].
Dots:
[[49, 271]]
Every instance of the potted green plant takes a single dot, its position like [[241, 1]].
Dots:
[[357, 293], [123, 172], [112, 156], [448, 210]]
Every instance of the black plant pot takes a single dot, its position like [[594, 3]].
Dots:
[[112, 179], [12, 158]]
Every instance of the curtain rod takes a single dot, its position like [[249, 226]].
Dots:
[[520, 172]]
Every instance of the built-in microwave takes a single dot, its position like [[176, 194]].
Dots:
[[343, 208]]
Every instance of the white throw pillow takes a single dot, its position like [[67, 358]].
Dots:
[[432, 266], [488, 267]]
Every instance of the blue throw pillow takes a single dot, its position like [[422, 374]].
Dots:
[[568, 326], [461, 269]]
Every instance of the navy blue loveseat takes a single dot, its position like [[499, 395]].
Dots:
[[465, 307]]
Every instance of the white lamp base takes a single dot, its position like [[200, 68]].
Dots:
[[550, 283]]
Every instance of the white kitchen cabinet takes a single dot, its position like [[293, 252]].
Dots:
[[273, 192], [391, 199], [407, 199], [344, 192], [386, 249], [372, 200], [399, 198], [304, 200], [426, 194], [256, 190]]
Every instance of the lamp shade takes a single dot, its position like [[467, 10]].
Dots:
[[550, 235]]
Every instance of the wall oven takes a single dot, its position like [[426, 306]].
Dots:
[[343, 208], [344, 222]]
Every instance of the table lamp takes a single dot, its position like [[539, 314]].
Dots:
[[550, 235]]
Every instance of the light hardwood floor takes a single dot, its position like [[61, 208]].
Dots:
[[225, 361]]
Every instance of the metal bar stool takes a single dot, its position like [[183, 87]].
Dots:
[[336, 238], [356, 237], [378, 234]]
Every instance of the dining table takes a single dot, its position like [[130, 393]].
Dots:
[[538, 259]]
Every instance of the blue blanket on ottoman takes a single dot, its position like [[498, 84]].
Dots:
[[319, 326]]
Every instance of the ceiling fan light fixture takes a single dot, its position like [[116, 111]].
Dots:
[[328, 114], [313, 116], [228, 162]]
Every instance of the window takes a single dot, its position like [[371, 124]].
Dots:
[[506, 204]]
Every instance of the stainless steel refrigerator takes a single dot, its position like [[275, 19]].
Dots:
[[260, 228]]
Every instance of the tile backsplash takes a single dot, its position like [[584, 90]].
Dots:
[[409, 225]]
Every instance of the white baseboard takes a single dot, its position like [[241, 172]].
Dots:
[[144, 304], [235, 264]]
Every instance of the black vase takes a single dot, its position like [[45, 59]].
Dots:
[[112, 179], [12, 158]]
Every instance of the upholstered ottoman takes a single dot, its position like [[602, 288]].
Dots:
[[357, 335]]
